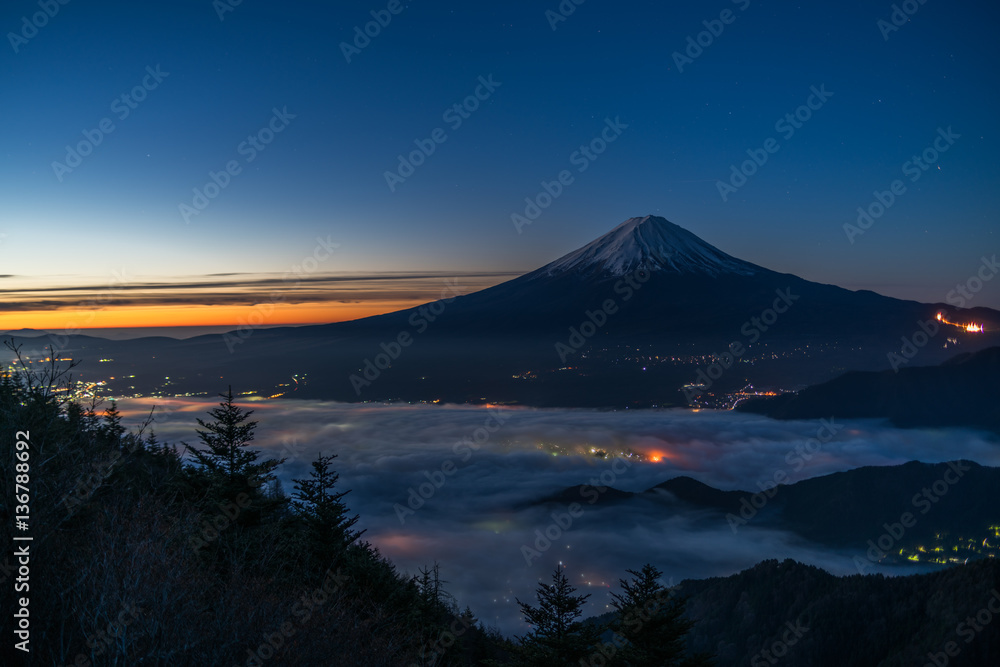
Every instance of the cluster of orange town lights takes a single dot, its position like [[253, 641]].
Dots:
[[971, 327]]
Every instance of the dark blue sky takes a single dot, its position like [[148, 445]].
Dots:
[[324, 173]]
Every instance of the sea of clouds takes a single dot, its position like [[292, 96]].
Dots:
[[459, 485]]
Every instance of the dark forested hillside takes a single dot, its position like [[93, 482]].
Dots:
[[144, 553], [802, 615], [963, 391], [139, 556], [949, 509]]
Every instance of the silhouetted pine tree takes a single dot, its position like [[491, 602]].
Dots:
[[326, 516], [124, 545], [91, 422], [652, 620], [557, 637], [226, 458], [112, 428]]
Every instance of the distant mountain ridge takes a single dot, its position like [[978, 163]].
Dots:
[[810, 617], [962, 391], [627, 320], [840, 510], [786, 612]]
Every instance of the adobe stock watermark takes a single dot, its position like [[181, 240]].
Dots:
[[122, 107], [88, 483], [581, 158], [752, 330], [381, 18], [249, 149], [228, 512], [912, 344], [454, 116], [561, 13], [930, 495], [632, 624], [418, 496], [307, 604], [223, 7], [786, 126], [323, 250], [913, 169], [967, 291], [967, 630], [31, 25], [696, 44], [796, 459], [60, 341], [420, 320], [432, 652], [579, 335], [899, 17], [105, 639], [291, 450], [562, 522], [961, 296], [779, 647]]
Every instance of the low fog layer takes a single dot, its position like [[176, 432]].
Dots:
[[456, 485]]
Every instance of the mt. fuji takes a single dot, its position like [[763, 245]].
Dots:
[[654, 244], [665, 282], [642, 308], [626, 320]]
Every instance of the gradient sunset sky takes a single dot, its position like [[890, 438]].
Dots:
[[106, 242]]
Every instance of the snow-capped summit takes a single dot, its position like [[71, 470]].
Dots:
[[651, 243]]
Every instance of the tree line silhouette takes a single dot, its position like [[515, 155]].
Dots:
[[154, 554]]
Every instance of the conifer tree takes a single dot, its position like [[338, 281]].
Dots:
[[91, 422], [112, 428], [652, 619], [430, 612], [323, 508], [557, 636], [226, 457]]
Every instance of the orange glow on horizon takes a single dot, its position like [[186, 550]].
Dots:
[[397, 544], [70, 320]]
